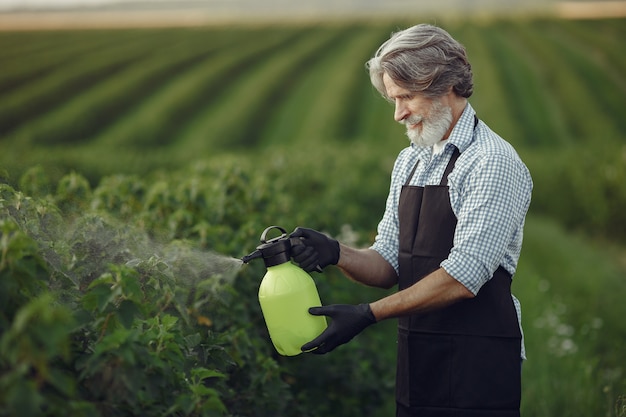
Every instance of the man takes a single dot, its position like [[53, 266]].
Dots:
[[450, 238]]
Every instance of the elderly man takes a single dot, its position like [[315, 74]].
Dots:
[[450, 238]]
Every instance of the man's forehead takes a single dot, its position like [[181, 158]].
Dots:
[[393, 89]]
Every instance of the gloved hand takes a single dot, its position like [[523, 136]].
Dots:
[[318, 250], [347, 321]]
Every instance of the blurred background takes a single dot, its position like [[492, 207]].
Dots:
[[203, 122], [154, 12]]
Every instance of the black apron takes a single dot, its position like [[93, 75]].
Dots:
[[462, 360]]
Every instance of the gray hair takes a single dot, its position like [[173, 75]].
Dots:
[[423, 59]]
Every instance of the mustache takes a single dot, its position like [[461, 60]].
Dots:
[[412, 120]]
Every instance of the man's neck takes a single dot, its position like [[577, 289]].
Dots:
[[457, 105], [438, 147]]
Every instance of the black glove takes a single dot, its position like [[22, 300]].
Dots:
[[317, 252], [347, 321]]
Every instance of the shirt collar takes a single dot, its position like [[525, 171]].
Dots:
[[462, 134]]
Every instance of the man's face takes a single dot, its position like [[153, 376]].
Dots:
[[427, 120]]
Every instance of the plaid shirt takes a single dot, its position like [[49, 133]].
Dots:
[[490, 190]]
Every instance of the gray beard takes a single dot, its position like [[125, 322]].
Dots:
[[433, 128]]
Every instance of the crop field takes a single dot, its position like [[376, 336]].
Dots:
[[181, 92], [133, 161]]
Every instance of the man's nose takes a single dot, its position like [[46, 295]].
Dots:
[[401, 111]]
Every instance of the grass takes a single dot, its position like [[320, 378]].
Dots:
[[572, 298]]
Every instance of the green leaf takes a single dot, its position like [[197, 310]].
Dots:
[[62, 381], [126, 313], [24, 399], [97, 298], [131, 288], [105, 278], [200, 374], [193, 340]]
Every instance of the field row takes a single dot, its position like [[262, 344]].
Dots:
[[186, 92]]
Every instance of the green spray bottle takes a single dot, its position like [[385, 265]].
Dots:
[[285, 294]]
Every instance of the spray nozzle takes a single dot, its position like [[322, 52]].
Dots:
[[256, 254], [275, 251]]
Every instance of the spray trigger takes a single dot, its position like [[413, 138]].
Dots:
[[295, 241]]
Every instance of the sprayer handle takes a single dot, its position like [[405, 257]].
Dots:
[[295, 241], [266, 231]]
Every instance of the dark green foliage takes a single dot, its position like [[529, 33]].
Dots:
[[127, 311], [583, 188]]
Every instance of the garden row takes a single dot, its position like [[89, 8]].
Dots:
[[540, 83], [124, 299]]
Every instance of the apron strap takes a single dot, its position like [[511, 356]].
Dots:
[[410, 177], [450, 167], [453, 158]]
